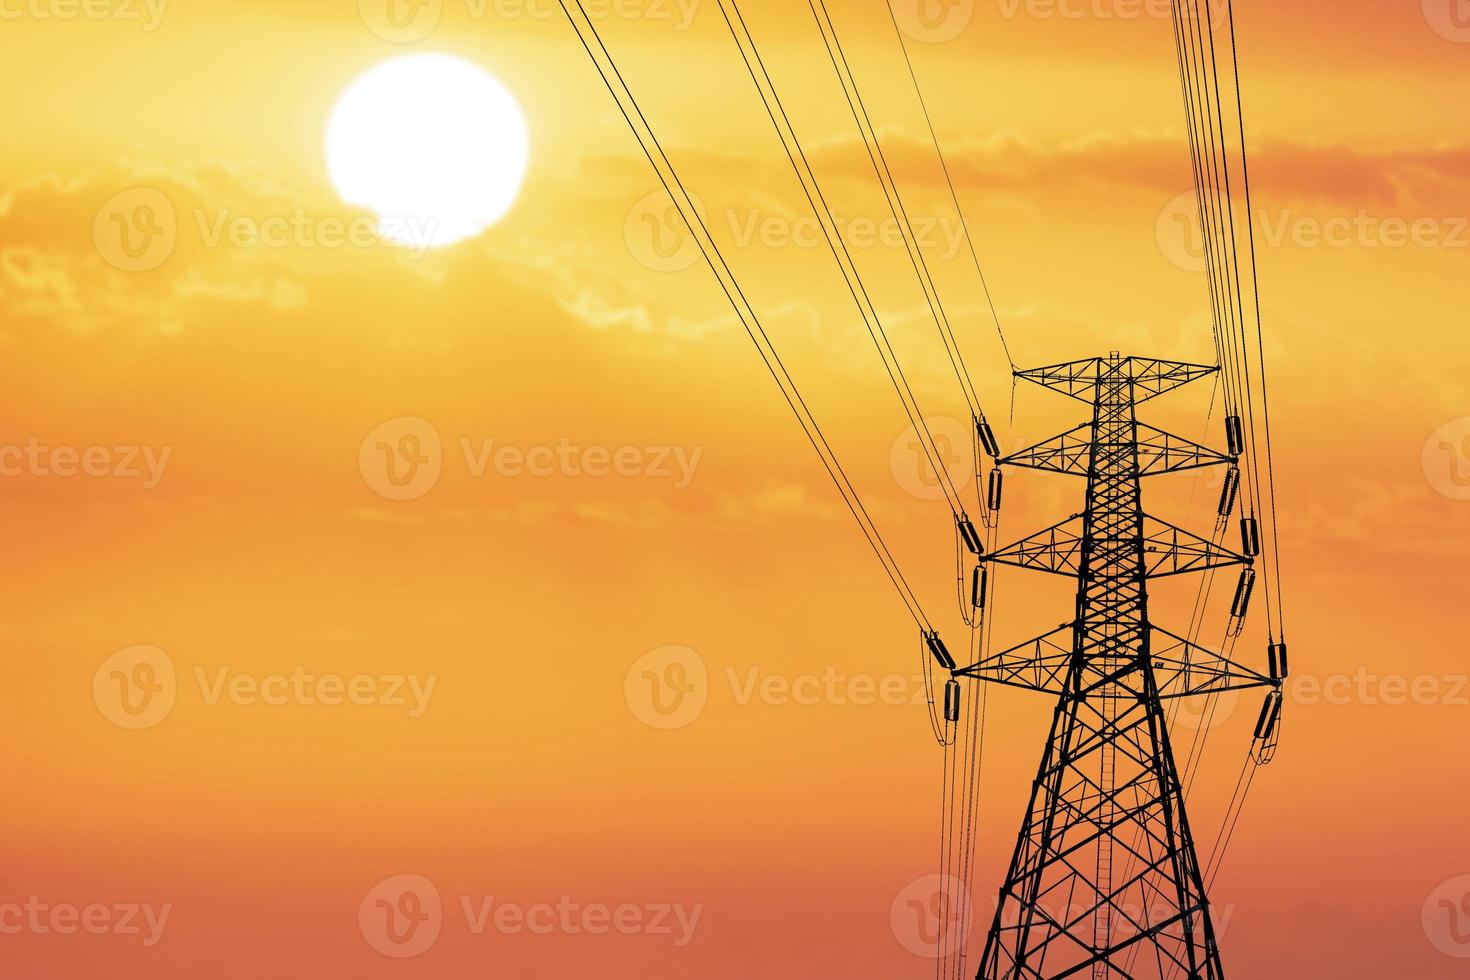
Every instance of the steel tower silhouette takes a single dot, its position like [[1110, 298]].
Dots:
[[1105, 881]]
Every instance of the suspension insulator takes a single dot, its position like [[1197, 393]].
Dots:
[[1229, 491], [1270, 715], [940, 651], [1243, 591], [952, 701], [1277, 655], [970, 536], [1234, 435], [1250, 536], [996, 481], [987, 438], [979, 583]]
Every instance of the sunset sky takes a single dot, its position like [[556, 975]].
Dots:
[[363, 679]]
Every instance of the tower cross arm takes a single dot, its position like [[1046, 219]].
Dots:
[[1184, 669], [1152, 377], [1057, 549], [1158, 452], [1149, 376], [1170, 550], [1164, 452], [1039, 664]]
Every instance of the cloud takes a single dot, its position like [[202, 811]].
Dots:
[[1283, 170], [154, 246]]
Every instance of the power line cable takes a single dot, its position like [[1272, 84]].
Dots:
[[771, 99], [729, 285], [948, 178]]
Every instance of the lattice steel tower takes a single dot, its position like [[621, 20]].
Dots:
[[1105, 881]]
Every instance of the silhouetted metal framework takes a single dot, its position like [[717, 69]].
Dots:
[[1105, 881]]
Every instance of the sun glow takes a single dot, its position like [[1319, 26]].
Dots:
[[432, 144]]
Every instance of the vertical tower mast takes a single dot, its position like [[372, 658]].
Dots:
[[1105, 881]]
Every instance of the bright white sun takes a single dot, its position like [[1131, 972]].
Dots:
[[431, 144]]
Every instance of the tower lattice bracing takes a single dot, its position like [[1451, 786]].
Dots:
[[1105, 881]]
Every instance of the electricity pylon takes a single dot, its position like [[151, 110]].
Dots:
[[1105, 881]]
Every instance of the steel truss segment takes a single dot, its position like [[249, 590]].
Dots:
[[1163, 452], [1036, 665], [1149, 376], [1167, 550], [1184, 669], [1104, 883], [1073, 378], [1057, 549], [1157, 451], [1170, 550], [1152, 378], [1070, 453]]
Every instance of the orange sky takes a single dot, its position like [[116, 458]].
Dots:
[[233, 521]]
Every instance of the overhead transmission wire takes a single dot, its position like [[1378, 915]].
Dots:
[[668, 176], [1212, 228], [1260, 332], [811, 188], [949, 180], [981, 639], [1210, 108], [964, 751], [1216, 121], [1253, 761], [894, 200], [1200, 83], [957, 806]]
